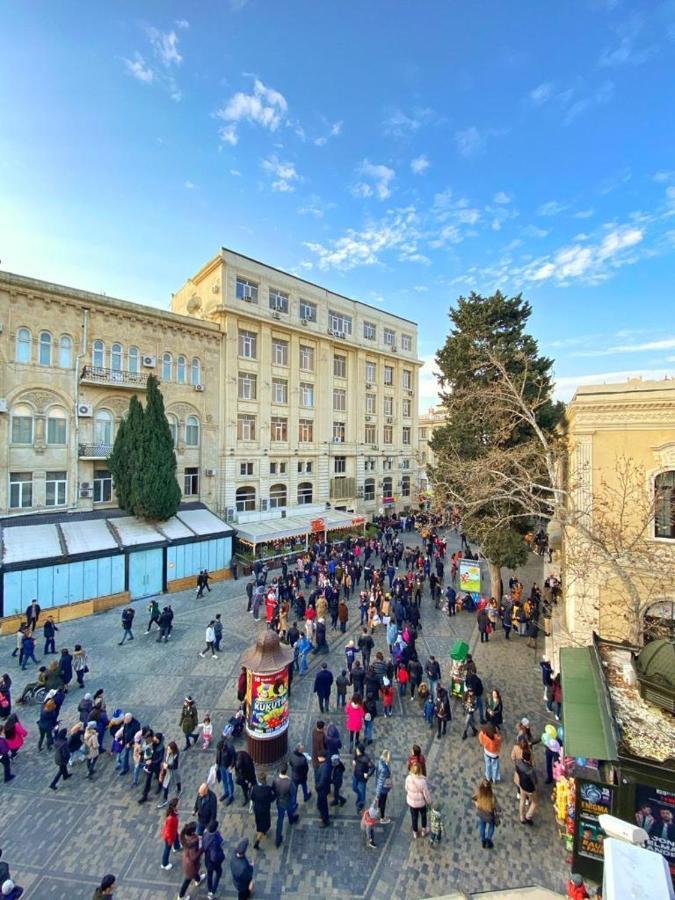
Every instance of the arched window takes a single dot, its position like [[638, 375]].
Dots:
[[278, 496], [664, 502], [405, 486], [192, 431], [134, 360], [181, 364], [245, 499], [173, 428], [659, 621], [369, 489], [65, 351], [167, 367], [116, 357], [103, 428], [305, 492], [387, 487], [24, 346], [98, 355], [57, 424], [196, 371], [45, 353], [22, 424]]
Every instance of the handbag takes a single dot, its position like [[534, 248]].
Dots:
[[212, 777]]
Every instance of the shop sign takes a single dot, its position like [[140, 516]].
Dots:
[[469, 576], [655, 812], [389, 501], [593, 800], [358, 520], [267, 703], [317, 525]]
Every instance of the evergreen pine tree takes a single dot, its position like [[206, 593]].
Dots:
[[155, 492], [124, 461]]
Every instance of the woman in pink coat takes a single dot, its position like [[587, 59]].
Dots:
[[15, 734], [417, 797], [356, 714]]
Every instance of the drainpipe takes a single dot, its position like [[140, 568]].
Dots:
[[84, 341]]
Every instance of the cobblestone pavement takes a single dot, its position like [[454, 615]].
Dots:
[[58, 844]]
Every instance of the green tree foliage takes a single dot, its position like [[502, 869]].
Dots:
[[143, 461], [490, 369]]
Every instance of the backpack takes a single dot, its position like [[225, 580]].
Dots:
[[216, 852]]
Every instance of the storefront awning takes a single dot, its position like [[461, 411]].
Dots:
[[294, 526], [587, 719]]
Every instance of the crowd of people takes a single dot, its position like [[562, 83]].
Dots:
[[380, 583]]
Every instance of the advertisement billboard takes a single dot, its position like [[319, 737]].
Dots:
[[267, 703], [469, 576]]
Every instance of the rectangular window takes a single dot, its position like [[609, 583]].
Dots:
[[306, 358], [307, 310], [22, 429], [191, 482], [246, 428], [369, 465], [306, 394], [406, 342], [339, 366], [369, 489], [371, 372], [279, 390], [406, 409], [407, 379], [339, 432], [388, 374], [389, 406], [423, 434], [248, 386], [369, 331], [405, 463], [339, 400], [246, 468], [248, 344], [406, 435], [370, 404], [370, 435], [278, 468], [20, 490], [278, 300], [305, 467], [102, 486], [306, 430], [389, 337], [56, 489], [247, 290], [279, 352], [278, 428], [388, 434], [340, 465], [339, 322]]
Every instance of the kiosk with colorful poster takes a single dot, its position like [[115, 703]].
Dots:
[[267, 695], [593, 800], [655, 812], [469, 578], [267, 703]]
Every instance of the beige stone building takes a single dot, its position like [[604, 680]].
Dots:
[[621, 473], [429, 421], [319, 400], [280, 394]]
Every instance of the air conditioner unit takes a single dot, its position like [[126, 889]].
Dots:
[[341, 334], [410, 391], [368, 385], [390, 420], [305, 321], [210, 472], [248, 298], [230, 514], [84, 486], [85, 410], [369, 418], [85, 493], [3, 404], [393, 348], [199, 387], [149, 362], [373, 446], [337, 440], [276, 314], [246, 292]]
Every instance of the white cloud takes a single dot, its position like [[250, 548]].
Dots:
[[264, 106], [534, 231], [572, 101], [602, 95], [334, 130], [552, 208], [584, 214], [182, 23], [165, 46], [376, 181], [541, 94], [399, 124], [396, 232], [501, 197], [419, 165], [283, 173], [188, 185], [139, 69], [471, 141], [642, 347], [626, 51], [235, 172], [590, 262], [314, 206], [428, 382], [565, 387], [664, 176]]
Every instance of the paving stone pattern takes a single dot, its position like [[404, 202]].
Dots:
[[58, 844]]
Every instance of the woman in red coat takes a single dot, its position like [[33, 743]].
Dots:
[[170, 833]]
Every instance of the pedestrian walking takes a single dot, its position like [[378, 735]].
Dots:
[[206, 728], [80, 664], [192, 855], [217, 632], [225, 757], [341, 685], [433, 672], [105, 888], [369, 820], [214, 857], [154, 757], [244, 769], [61, 757], [285, 793], [337, 778], [153, 610], [436, 823], [188, 722], [28, 650], [442, 711], [170, 834], [242, 871], [210, 637], [262, 798], [383, 784], [299, 771], [322, 784], [47, 723], [32, 615], [486, 810], [527, 782], [169, 773], [495, 709], [323, 683], [5, 757], [66, 667], [362, 769], [355, 717], [49, 630], [469, 714], [418, 797], [491, 741], [127, 621]]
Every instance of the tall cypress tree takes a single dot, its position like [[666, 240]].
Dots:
[[125, 460], [156, 493]]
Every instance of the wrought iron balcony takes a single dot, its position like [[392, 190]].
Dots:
[[95, 451], [99, 375]]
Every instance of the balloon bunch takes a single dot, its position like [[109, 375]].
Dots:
[[550, 739]]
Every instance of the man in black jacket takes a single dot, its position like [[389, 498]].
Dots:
[[130, 726], [225, 759], [242, 871], [127, 621], [300, 770], [206, 808], [366, 644], [61, 757], [322, 782], [473, 683], [322, 685], [153, 765], [32, 615]]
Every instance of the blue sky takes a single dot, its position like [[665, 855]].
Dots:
[[401, 153]]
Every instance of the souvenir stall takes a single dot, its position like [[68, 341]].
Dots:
[[458, 655]]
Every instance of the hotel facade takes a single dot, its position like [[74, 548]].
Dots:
[[280, 394]]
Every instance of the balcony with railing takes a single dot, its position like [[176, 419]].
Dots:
[[95, 451], [112, 377]]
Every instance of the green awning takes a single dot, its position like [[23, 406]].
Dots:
[[587, 718]]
